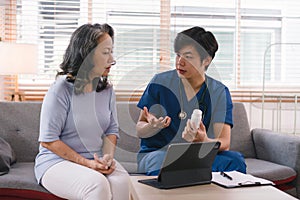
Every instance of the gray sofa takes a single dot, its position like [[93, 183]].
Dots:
[[273, 156]]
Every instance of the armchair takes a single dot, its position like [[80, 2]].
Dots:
[[270, 155]]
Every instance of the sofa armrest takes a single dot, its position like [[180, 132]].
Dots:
[[279, 148]]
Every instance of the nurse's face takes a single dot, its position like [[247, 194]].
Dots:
[[188, 63]]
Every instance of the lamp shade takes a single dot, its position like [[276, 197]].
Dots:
[[18, 58]]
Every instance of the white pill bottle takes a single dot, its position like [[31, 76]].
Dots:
[[196, 117]]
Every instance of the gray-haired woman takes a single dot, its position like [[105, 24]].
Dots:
[[78, 126]]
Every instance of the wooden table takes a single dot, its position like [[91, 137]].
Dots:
[[141, 191]]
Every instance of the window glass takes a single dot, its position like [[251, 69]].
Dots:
[[258, 40]]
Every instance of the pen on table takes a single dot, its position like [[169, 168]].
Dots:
[[249, 183], [226, 175]]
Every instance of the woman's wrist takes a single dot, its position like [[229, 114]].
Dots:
[[86, 162]]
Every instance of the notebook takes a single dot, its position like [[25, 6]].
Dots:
[[185, 164], [235, 179]]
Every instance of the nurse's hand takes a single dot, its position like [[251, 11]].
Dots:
[[159, 123], [148, 125], [192, 134]]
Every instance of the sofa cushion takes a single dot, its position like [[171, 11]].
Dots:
[[277, 147], [279, 174], [7, 157], [127, 159], [128, 143], [19, 124], [241, 139], [21, 176], [128, 114], [20, 183]]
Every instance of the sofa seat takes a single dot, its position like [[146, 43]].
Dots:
[[21, 180], [279, 174], [282, 176], [21, 175]]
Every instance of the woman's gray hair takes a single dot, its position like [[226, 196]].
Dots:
[[77, 60]]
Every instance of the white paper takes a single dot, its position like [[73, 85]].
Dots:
[[238, 179]]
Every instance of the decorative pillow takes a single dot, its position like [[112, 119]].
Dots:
[[7, 157]]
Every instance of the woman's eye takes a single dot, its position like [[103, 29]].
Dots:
[[108, 52]]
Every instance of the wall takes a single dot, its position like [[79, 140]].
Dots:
[[1, 88]]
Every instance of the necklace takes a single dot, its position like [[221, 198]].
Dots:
[[182, 114]]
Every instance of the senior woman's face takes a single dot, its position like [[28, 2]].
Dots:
[[103, 56]]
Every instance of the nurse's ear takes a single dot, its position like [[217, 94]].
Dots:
[[206, 62]]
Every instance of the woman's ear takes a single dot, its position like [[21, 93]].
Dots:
[[206, 62]]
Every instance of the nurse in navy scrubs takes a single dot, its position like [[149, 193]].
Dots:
[[170, 98]]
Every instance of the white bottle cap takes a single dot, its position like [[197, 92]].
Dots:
[[197, 112]]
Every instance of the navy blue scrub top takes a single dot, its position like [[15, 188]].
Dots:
[[165, 96]]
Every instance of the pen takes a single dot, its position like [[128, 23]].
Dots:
[[249, 183], [226, 175]]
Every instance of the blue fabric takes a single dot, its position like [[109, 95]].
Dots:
[[162, 97], [165, 96], [151, 163], [229, 161]]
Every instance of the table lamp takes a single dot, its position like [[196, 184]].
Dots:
[[17, 59]]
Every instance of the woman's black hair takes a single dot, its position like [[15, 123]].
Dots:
[[204, 41], [77, 60]]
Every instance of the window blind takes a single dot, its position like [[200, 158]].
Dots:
[[254, 37]]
